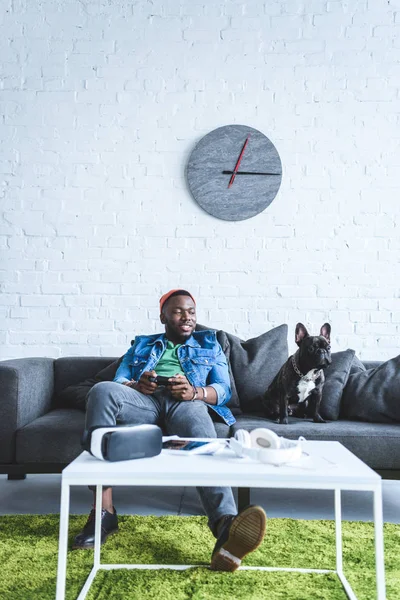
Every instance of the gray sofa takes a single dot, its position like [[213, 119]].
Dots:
[[40, 429]]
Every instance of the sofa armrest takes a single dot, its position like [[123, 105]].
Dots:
[[26, 389]]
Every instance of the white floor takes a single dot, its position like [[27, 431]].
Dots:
[[40, 494]]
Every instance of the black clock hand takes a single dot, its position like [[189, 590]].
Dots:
[[248, 173]]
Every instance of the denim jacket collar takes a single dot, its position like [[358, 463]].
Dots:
[[162, 338]]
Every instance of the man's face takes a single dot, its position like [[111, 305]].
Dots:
[[179, 318]]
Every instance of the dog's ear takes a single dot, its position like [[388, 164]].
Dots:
[[300, 334], [326, 331]]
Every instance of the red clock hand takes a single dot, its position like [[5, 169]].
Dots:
[[232, 179]]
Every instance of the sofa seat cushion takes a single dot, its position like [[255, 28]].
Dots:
[[56, 437], [52, 438], [222, 430], [376, 444]]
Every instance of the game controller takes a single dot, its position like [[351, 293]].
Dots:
[[160, 380]]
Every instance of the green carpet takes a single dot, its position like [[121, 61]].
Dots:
[[29, 546]]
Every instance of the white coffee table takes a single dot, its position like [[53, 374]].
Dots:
[[326, 466]]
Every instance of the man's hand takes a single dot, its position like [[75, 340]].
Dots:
[[180, 388], [144, 385], [131, 383]]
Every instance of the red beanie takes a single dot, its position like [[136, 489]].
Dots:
[[164, 298]]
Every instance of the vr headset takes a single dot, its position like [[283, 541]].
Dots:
[[124, 442], [265, 446]]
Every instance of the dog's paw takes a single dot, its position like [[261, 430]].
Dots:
[[318, 419]]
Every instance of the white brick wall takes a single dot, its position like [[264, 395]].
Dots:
[[101, 104]]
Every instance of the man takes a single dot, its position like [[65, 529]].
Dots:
[[199, 382]]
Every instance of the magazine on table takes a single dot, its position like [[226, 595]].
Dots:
[[189, 447]]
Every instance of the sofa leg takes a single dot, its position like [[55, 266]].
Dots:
[[243, 498], [15, 476]]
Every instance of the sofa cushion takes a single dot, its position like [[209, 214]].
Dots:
[[336, 376], [56, 437], [70, 370], [255, 363], [374, 395], [53, 438], [74, 396], [234, 403], [372, 364], [357, 365], [222, 338], [221, 429], [376, 444]]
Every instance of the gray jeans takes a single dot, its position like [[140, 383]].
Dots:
[[110, 403]]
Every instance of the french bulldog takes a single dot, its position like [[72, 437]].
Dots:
[[297, 388]]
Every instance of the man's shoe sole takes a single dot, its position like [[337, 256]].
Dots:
[[245, 535], [91, 546]]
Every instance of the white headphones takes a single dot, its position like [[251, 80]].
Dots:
[[265, 446]]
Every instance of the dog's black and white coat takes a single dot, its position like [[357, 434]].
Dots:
[[297, 388]]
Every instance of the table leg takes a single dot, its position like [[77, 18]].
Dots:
[[379, 548], [339, 547], [338, 531], [97, 526], [63, 542], [243, 498]]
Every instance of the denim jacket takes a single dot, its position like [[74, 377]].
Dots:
[[201, 358]]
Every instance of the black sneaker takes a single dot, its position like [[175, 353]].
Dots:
[[109, 525], [238, 536]]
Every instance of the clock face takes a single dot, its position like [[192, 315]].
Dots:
[[234, 172]]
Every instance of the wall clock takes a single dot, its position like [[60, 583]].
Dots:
[[234, 172]]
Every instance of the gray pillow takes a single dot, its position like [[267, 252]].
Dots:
[[357, 366], [255, 363], [336, 376], [374, 395], [222, 338], [234, 403], [74, 396]]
